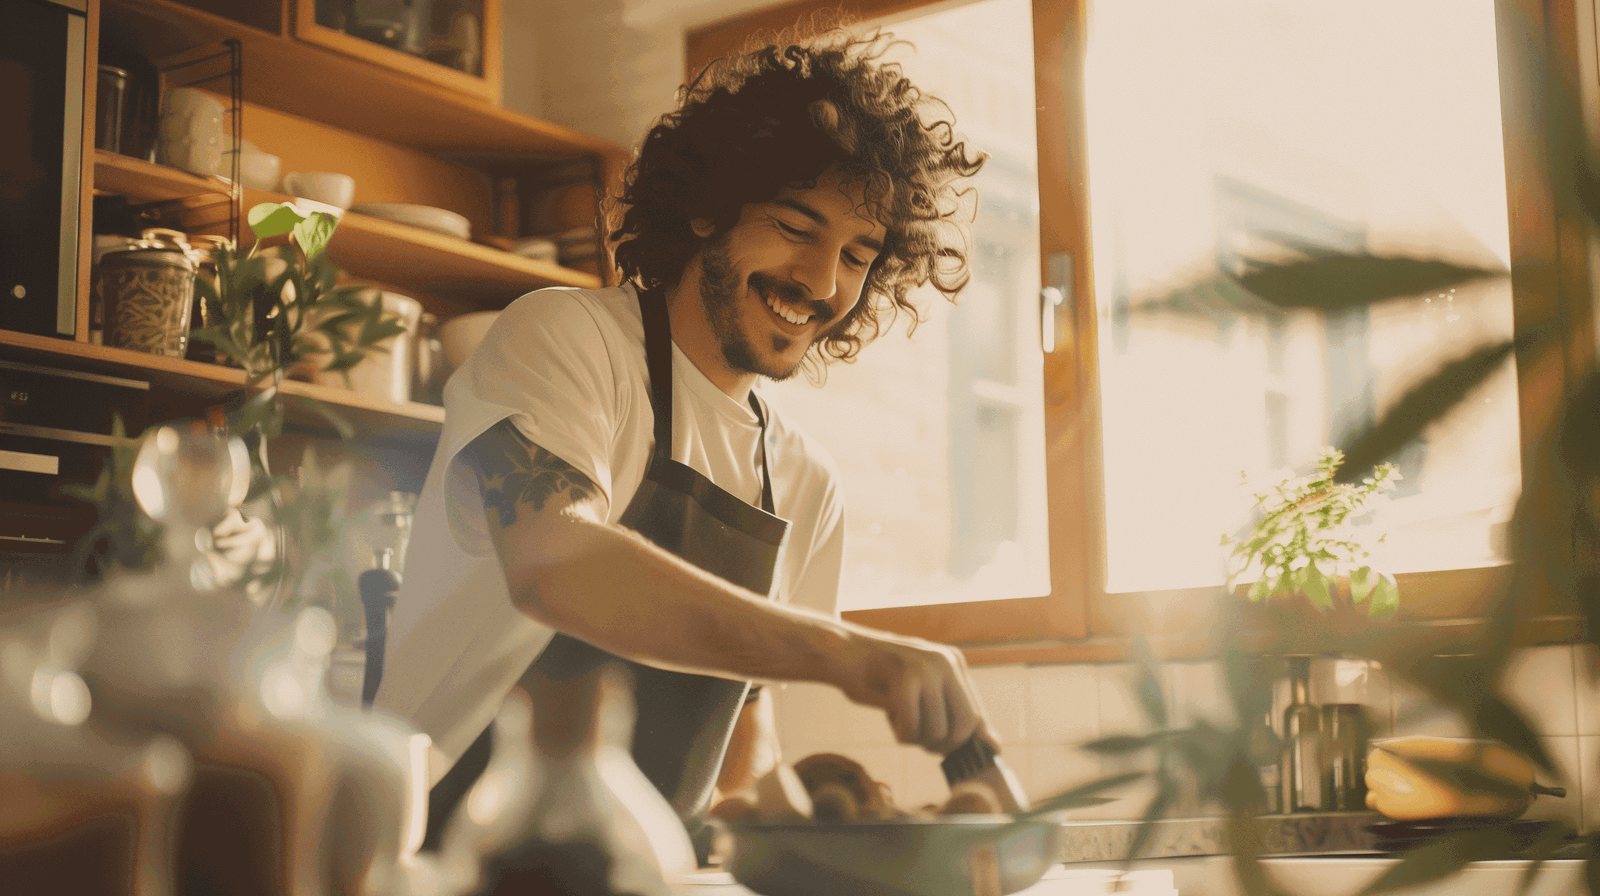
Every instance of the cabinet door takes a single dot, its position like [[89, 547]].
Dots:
[[42, 51], [454, 44]]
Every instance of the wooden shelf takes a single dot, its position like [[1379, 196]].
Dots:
[[356, 95], [141, 180], [366, 248], [372, 417]]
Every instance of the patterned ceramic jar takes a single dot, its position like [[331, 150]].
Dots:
[[147, 291]]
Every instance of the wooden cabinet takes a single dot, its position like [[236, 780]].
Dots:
[[407, 130]]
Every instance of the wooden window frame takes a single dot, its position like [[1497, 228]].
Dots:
[[1079, 621]]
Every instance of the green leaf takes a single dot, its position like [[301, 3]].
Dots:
[[1385, 596], [1315, 585], [1149, 683], [1551, 836], [1419, 407], [1250, 694], [1166, 795], [1335, 282], [1443, 856], [1464, 777], [1591, 869], [1496, 719], [271, 219], [1119, 744], [1362, 581], [340, 425], [313, 233]]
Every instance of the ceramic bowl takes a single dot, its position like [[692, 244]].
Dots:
[[259, 169]]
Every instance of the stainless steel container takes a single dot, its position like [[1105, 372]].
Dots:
[[111, 93]]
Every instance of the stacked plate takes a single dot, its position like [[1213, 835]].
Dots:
[[423, 217], [577, 246]]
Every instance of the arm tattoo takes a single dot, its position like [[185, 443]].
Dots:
[[513, 471]]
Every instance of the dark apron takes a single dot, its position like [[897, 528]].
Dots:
[[684, 721]]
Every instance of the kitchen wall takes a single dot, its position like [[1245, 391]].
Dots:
[[1043, 712], [606, 67]]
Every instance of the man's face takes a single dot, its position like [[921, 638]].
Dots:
[[784, 276]]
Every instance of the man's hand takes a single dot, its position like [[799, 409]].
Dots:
[[923, 687]]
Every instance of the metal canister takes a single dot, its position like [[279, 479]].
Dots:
[[111, 92], [1346, 733], [146, 290]]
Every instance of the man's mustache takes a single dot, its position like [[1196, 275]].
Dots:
[[791, 293]]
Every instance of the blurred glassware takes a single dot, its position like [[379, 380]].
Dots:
[[202, 314], [597, 825], [427, 384], [190, 478]]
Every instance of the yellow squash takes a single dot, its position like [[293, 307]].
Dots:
[[1401, 790]]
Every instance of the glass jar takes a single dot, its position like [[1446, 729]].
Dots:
[[146, 291]]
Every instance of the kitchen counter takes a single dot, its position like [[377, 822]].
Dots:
[[1300, 876], [1319, 833]]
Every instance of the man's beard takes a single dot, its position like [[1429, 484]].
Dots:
[[720, 283]]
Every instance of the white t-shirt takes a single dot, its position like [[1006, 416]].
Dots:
[[568, 367]]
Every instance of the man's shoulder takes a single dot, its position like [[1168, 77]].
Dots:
[[608, 306]]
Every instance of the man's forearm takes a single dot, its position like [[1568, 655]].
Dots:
[[617, 591]]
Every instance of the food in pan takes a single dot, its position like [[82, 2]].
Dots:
[[830, 788]]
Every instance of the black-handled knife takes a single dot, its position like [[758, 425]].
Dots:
[[978, 760]]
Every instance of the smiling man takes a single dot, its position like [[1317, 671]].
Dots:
[[610, 486]]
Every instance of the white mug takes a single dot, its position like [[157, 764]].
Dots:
[[189, 135], [321, 186]]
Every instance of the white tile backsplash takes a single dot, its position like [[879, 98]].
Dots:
[[1197, 691], [1063, 705], [1540, 682], [1120, 712], [1589, 780], [1044, 713], [1586, 684], [1565, 754], [1047, 771], [1004, 693]]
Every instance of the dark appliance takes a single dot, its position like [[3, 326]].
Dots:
[[55, 428], [43, 48]]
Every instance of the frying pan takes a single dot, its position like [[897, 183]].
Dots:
[[910, 857]]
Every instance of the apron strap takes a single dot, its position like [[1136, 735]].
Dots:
[[766, 449], [658, 361]]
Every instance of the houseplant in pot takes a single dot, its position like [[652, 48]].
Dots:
[[269, 326], [1303, 543]]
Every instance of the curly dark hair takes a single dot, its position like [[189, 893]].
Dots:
[[780, 116]]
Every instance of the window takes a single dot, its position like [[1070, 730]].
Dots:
[[945, 490], [1366, 126], [1281, 138]]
